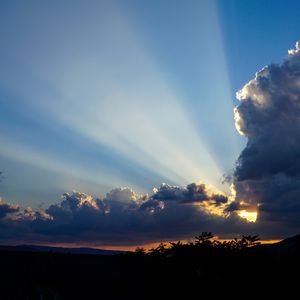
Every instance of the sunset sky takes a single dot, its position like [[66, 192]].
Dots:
[[129, 122]]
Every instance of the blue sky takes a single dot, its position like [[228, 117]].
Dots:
[[101, 94]]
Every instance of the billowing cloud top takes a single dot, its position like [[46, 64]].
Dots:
[[268, 169]]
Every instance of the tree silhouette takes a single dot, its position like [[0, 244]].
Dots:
[[205, 238], [250, 241], [160, 250], [205, 243], [140, 251]]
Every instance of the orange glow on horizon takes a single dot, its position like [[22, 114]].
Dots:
[[147, 246]]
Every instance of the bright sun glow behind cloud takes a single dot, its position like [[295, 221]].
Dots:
[[251, 216]]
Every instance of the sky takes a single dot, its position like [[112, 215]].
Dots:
[[124, 107]]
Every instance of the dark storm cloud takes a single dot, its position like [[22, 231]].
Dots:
[[123, 217], [268, 169]]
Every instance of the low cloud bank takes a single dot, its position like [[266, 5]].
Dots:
[[122, 217]]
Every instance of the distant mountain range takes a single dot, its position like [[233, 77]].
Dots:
[[37, 248]]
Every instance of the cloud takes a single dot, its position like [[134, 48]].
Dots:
[[123, 217], [267, 174], [192, 193], [7, 208]]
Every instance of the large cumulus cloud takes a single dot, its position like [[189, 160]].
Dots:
[[124, 217], [267, 174]]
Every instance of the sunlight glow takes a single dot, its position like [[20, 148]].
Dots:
[[238, 121], [209, 206], [250, 216]]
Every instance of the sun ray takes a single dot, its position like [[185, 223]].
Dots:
[[117, 95]]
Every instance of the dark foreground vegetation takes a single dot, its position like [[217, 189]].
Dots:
[[203, 269]]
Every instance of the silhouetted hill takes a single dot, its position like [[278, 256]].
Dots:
[[38, 248], [289, 245]]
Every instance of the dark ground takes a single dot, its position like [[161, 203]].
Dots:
[[185, 273]]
